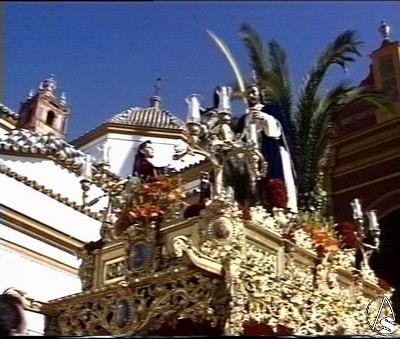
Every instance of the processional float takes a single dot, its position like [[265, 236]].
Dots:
[[226, 268]]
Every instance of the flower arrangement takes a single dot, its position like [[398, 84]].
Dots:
[[347, 234], [321, 232], [148, 201], [276, 193], [323, 239]]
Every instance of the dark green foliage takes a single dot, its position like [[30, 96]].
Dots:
[[312, 113]]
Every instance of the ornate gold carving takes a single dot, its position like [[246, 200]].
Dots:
[[141, 248], [277, 276], [86, 270], [141, 308], [114, 270], [222, 215], [174, 213], [182, 245]]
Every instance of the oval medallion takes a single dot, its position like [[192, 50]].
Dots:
[[122, 313], [222, 228], [139, 256]]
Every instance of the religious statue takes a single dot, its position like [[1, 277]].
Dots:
[[263, 124], [235, 164], [143, 166]]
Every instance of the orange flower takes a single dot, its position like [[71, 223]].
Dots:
[[323, 239], [149, 200]]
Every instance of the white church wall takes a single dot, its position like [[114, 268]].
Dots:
[[35, 323], [53, 176], [48, 211], [38, 280], [11, 235], [123, 148]]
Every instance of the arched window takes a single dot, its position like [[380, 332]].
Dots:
[[50, 118]]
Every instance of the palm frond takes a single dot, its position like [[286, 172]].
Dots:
[[341, 51], [314, 114], [229, 56], [279, 67], [255, 49], [316, 150]]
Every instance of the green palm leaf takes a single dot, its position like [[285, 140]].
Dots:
[[312, 114]]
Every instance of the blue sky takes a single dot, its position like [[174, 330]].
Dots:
[[106, 56]]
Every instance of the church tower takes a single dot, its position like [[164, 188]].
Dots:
[[44, 113]]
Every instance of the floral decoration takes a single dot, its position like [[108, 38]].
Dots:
[[276, 193], [348, 235], [324, 240], [384, 285], [246, 215], [321, 232], [148, 201]]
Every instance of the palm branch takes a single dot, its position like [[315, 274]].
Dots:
[[312, 116]]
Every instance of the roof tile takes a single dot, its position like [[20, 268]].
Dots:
[[148, 117]]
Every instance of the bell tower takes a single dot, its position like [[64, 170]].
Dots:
[[386, 68], [44, 113]]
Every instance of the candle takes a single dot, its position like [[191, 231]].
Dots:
[[224, 102], [193, 115], [373, 220], [253, 133], [87, 167], [356, 205]]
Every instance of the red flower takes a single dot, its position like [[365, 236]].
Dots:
[[347, 234], [246, 214], [384, 285], [276, 193]]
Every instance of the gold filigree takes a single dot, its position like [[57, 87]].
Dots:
[[139, 309], [174, 213], [242, 275], [86, 270], [141, 248], [114, 270]]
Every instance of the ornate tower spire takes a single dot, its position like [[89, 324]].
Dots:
[[155, 100], [384, 29], [48, 85], [43, 112]]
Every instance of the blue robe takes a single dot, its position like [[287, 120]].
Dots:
[[270, 147]]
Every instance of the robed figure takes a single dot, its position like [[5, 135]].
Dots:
[[265, 125], [143, 166]]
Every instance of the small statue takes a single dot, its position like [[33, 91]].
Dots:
[[143, 167]]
